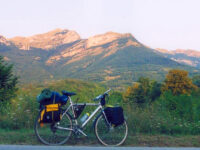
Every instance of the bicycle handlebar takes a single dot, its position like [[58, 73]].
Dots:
[[102, 95], [107, 91]]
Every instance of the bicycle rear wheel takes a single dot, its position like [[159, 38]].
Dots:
[[109, 135], [54, 133]]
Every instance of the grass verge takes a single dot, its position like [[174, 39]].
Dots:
[[27, 137]]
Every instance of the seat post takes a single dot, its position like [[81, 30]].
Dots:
[[70, 100]]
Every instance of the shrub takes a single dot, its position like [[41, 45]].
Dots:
[[143, 92], [196, 80]]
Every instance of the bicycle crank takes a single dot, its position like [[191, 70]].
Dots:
[[78, 131]]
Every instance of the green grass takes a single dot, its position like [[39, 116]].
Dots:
[[22, 136], [27, 137]]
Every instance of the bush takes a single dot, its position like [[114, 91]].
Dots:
[[143, 92], [156, 120], [180, 106], [196, 80], [115, 98]]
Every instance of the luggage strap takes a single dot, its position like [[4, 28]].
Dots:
[[53, 104]]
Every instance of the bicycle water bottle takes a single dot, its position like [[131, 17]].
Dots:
[[85, 117]]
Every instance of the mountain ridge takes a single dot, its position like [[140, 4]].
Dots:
[[111, 57], [46, 40], [185, 56], [100, 39]]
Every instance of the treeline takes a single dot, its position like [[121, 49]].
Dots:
[[171, 107]]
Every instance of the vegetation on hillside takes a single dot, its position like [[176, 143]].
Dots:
[[170, 113], [24, 108], [148, 109], [196, 80], [8, 83]]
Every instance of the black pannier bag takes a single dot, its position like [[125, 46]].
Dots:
[[78, 109], [50, 114], [114, 115]]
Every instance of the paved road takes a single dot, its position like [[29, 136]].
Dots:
[[23, 147]]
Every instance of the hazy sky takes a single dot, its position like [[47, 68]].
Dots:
[[169, 24]]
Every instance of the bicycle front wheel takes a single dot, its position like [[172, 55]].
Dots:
[[110, 135], [54, 133]]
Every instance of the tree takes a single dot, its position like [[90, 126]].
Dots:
[[8, 81], [178, 82], [135, 94], [196, 80], [145, 91], [145, 85], [155, 90]]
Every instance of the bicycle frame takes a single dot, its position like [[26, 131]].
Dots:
[[71, 106], [70, 124]]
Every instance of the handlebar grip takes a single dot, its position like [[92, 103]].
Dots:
[[98, 97], [107, 91], [101, 96]]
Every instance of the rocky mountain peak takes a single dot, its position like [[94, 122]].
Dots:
[[188, 52], [47, 40], [106, 38], [4, 41], [184, 56], [161, 50]]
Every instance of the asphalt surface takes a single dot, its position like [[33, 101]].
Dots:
[[26, 147]]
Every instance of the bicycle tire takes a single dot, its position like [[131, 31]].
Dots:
[[110, 136], [49, 135]]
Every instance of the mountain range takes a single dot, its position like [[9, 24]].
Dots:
[[189, 57], [111, 58]]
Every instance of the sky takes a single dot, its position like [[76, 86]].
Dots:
[[168, 24]]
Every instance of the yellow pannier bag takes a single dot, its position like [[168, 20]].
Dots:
[[51, 113], [52, 107]]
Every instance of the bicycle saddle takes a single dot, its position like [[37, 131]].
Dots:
[[68, 93]]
